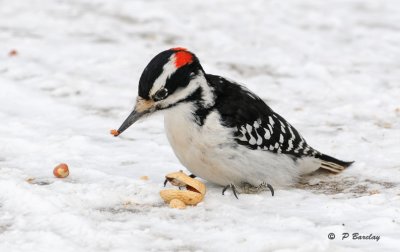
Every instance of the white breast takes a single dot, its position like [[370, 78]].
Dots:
[[210, 152], [194, 145]]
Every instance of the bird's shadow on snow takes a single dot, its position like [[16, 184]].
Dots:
[[324, 182]]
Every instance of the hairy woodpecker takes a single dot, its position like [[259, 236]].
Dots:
[[220, 130]]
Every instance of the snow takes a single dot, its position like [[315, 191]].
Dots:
[[330, 67]]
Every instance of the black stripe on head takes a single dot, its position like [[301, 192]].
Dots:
[[181, 77], [152, 71]]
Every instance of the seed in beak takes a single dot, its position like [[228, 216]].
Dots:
[[114, 132]]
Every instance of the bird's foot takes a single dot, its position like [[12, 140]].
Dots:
[[250, 189], [232, 186]]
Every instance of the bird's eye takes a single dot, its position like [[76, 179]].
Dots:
[[160, 94]]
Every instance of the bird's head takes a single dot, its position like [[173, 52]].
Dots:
[[172, 77]]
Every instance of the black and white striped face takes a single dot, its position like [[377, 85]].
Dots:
[[170, 78]]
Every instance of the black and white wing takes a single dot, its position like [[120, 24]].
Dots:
[[271, 132], [256, 125]]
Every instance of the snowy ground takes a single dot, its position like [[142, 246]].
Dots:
[[332, 68]]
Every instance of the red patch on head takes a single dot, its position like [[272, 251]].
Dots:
[[183, 58], [178, 49]]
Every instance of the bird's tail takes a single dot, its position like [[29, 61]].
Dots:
[[332, 164]]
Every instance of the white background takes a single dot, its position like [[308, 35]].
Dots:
[[331, 68]]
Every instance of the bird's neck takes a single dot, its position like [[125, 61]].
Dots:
[[199, 101], [204, 94], [202, 100]]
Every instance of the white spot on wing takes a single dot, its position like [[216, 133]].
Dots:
[[252, 140], [259, 139], [256, 124], [242, 138], [300, 146], [249, 128], [290, 147], [282, 126], [270, 129], [243, 131], [267, 134], [271, 121]]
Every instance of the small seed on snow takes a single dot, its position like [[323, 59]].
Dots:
[[61, 171]]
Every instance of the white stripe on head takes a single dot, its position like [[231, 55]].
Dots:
[[168, 70], [182, 93]]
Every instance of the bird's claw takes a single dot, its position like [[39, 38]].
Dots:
[[232, 186], [264, 185], [271, 189], [250, 189]]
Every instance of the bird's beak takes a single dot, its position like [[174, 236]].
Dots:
[[131, 119], [142, 107]]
